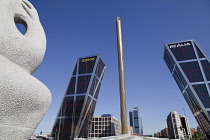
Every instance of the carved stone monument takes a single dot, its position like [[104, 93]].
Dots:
[[24, 100]]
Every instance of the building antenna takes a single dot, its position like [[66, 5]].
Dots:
[[184, 112], [124, 125]]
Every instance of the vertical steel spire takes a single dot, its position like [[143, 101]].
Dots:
[[124, 128]]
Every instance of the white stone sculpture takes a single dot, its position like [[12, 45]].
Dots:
[[24, 100]]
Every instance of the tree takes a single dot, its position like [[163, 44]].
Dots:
[[155, 135], [198, 135]]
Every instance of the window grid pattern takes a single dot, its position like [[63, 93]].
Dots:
[[104, 127], [184, 53], [78, 105], [196, 70], [169, 61]]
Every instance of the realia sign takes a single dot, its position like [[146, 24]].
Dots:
[[178, 45]]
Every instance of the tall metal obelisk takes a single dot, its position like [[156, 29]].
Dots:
[[124, 124]]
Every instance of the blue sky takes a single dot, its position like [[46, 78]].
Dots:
[[76, 28]]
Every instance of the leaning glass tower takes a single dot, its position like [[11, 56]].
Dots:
[[190, 68], [78, 105]]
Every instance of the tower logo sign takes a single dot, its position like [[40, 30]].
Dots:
[[87, 59], [177, 45]]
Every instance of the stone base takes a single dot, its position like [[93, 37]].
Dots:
[[15, 133], [125, 137]]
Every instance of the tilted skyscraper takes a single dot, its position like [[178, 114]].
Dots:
[[78, 105], [136, 121], [190, 68]]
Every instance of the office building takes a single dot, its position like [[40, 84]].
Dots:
[[78, 105], [190, 68], [174, 124], [193, 130], [199, 129], [178, 126], [104, 126], [164, 133], [185, 127], [130, 130], [136, 121]]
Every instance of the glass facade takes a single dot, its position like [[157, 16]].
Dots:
[[78, 105], [136, 121], [190, 68]]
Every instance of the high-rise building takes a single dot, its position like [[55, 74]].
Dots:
[[104, 126], [178, 126], [190, 68], [198, 129], [136, 121], [185, 127], [78, 105], [175, 130]]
